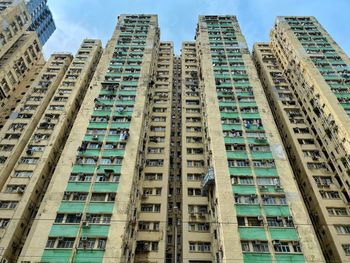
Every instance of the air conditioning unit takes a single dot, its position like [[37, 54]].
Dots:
[[86, 224], [279, 218], [84, 238], [257, 242], [20, 190], [260, 218], [276, 242], [289, 218], [60, 238]]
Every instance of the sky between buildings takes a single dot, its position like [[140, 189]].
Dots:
[[79, 19]]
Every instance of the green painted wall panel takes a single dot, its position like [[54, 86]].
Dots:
[[115, 168], [240, 171], [237, 155], [229, 127], [256, 141], [247, 104], [66, 230], [249, 233], [262, 155], [120, 125], [284, 234], [86, 168], [89, 138], [101, 207], [105, 187], [90, 153], [257, 258], [234, 140], [276, 210], [71, 207], [56, 255], [98, 125], [244, 189], [123, 114], [113, 152], [78, 187], [251, 115], [95, 230], [113, 138], [101, 112], [290, 258], [248, 210], [229, 114], [266, 171], [91, 256]]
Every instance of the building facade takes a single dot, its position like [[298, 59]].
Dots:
[[42, 20], [133, 154], [38, 134], [21, 58], [305, 75]]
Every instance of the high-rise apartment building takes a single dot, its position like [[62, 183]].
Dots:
[[170, 159], [253, 199], [305, 75], [33, 139], [42, 20], [133, 154], [20, 55], [92, 212]]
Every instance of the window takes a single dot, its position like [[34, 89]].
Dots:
[[51, 242], [268, 181], [150, 208], [199, 246], [23, 174], [87, 243], [65, 242], [246, 199], [342, 229], [274, 221], [6, 147], [148, 226], [193, 163], [194, 177], [346, 248], [8, 204], [245, 246], [194, 192], [28, 160], [153, 177], [4, 222], [15, 188], [73, 218], [260, 246], [246, 180], [281, 247], [102, 243], [337, 211], [330, 194], [155, 162]]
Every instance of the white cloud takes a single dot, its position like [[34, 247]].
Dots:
[[67, 37]]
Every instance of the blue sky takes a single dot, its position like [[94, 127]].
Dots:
[[79, 19]]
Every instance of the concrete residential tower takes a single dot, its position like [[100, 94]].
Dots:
[[20, 55], [306, 77], [133, 154]]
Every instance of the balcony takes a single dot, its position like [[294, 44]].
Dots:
[[208, 179]]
